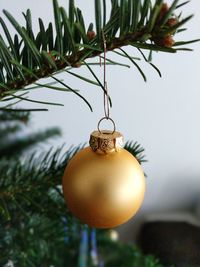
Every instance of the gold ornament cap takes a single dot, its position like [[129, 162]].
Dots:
[[106, 141]]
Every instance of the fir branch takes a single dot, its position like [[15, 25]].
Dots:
[[16, 116], [32, 208], [8, 130], [10, 148], [29, 57], [35, 175], [39, 173]]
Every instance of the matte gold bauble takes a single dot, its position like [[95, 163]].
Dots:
[[103, 184]]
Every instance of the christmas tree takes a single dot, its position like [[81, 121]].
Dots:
[[36, 229]]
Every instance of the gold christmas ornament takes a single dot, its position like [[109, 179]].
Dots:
[[103, 184]]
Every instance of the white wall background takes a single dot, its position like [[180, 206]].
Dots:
[[162, 114]]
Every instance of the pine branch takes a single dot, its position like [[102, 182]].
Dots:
[[28, 57], [40, 241], [33, 231], [13, 142], [10, 148], [113, 251], [15, 116], [38, 174], [35, 175]]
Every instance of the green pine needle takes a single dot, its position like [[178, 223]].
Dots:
[[30, 56]]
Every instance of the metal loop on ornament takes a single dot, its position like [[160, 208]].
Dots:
[[106, 118]]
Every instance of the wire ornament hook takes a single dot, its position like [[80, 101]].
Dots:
[[105, 95]]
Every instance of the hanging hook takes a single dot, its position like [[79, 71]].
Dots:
[[106, 96]]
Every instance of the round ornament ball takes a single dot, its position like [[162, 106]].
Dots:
[[103, 184]]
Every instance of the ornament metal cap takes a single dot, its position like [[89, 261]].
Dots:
[[106, 141]]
